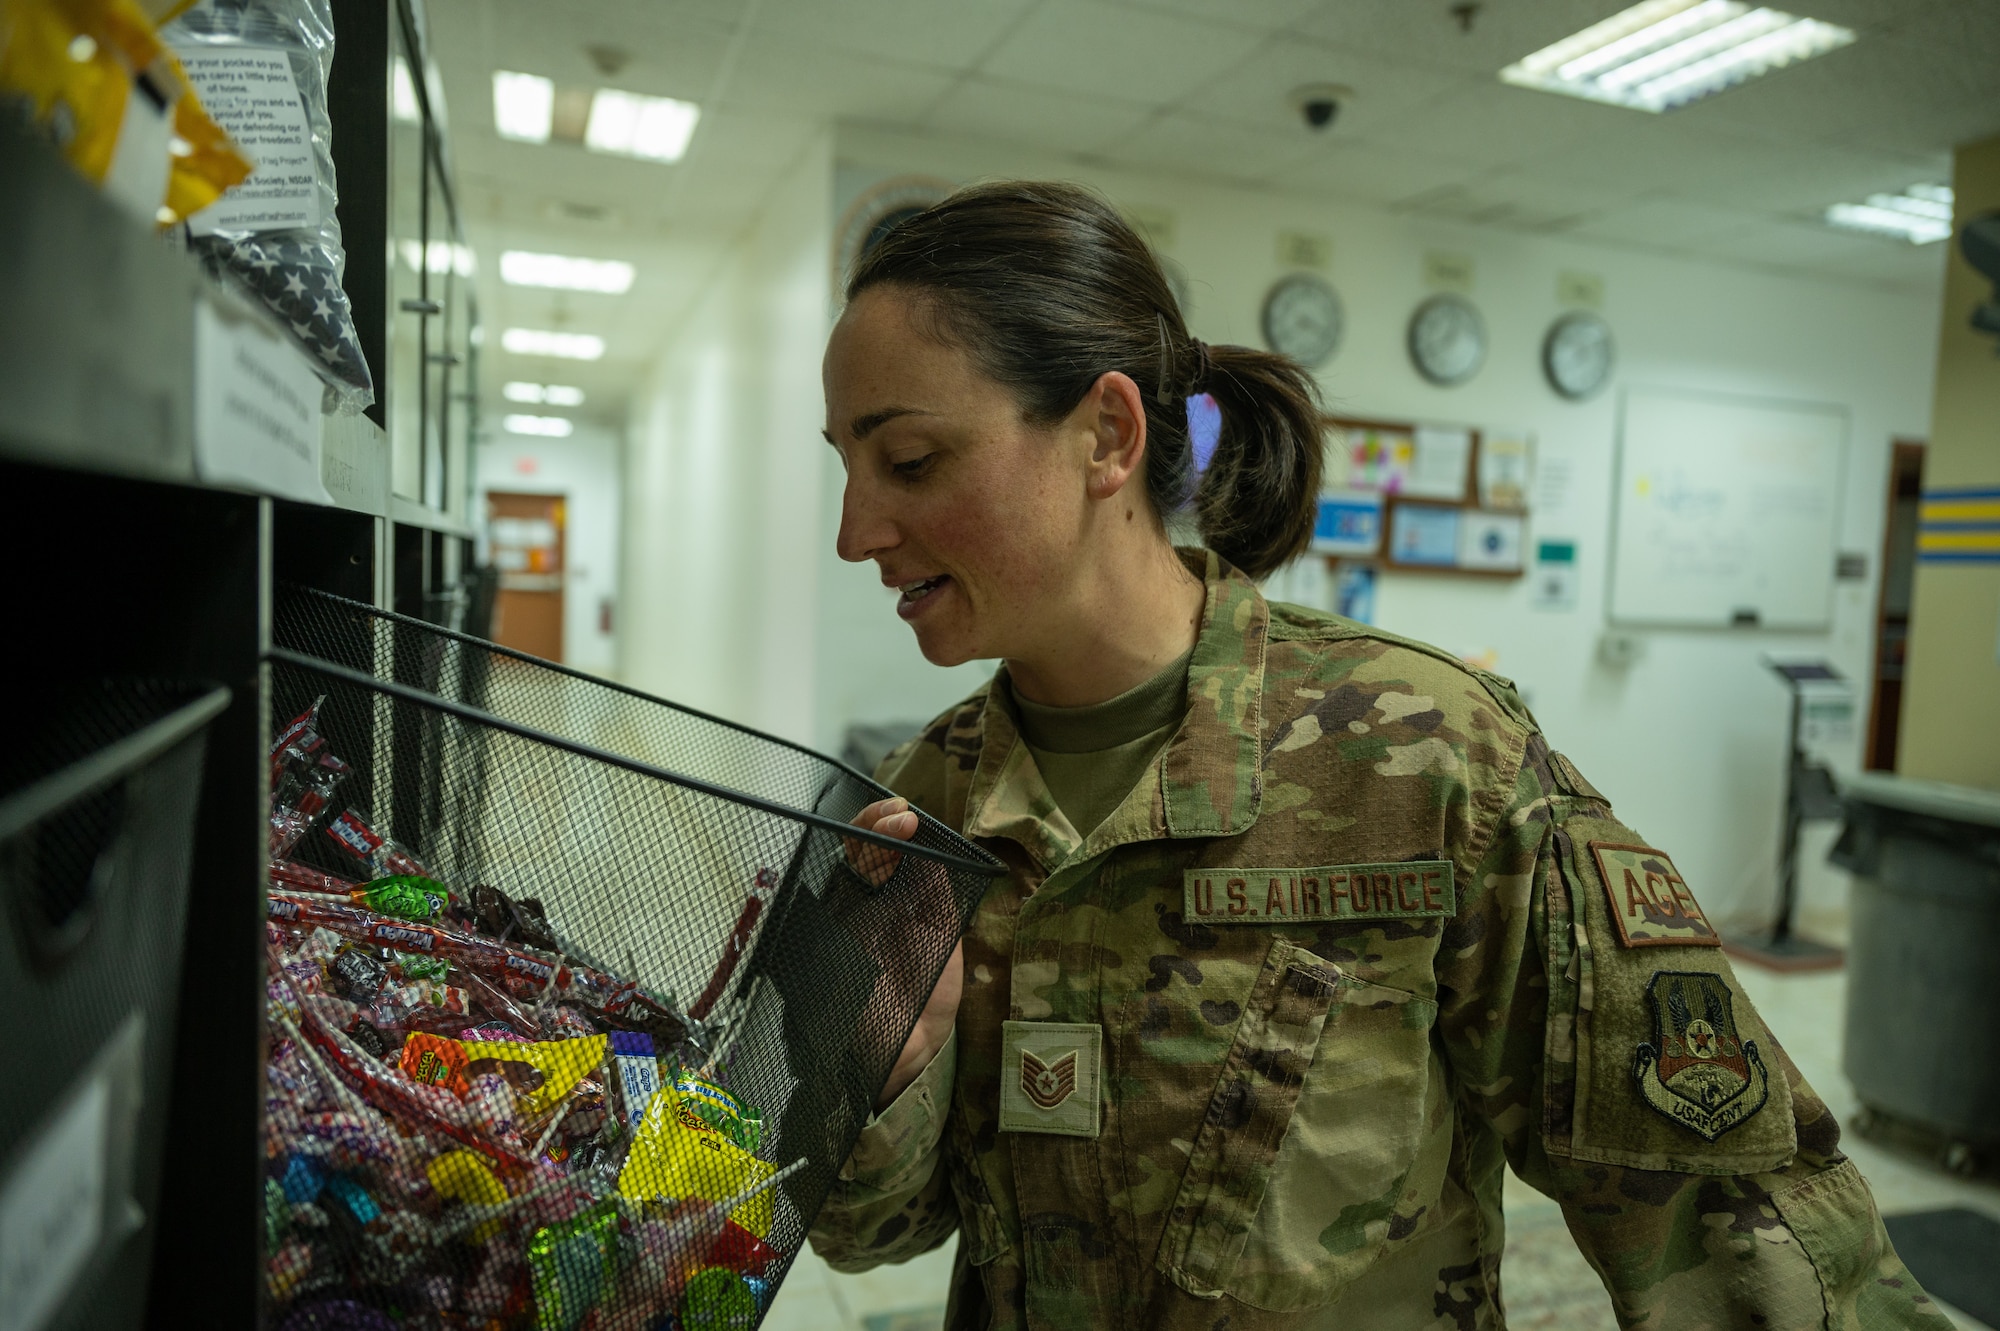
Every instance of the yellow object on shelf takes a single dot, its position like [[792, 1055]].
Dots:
[[99, 82]]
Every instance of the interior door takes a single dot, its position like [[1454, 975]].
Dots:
[[525, 532]]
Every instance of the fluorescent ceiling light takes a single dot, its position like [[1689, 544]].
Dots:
[[438, 256], [403, 94], [1921, 214], [543, 342], [1662, 54], [548, 427], [556, 395], [523, 269], [655, 128], [524, 106]]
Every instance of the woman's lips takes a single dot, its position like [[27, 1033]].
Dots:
[[917, 595]]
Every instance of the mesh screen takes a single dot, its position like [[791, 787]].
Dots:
[[578, 998]]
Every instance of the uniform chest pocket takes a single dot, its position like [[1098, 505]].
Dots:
[[1316, 1120]]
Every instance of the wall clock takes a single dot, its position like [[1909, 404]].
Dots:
[[1447, 340], [1303, 319], [1577, 355]]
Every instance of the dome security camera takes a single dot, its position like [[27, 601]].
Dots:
[[1318, 104]]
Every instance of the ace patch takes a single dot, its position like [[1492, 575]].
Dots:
[[1699, 1072], [1650, 902]]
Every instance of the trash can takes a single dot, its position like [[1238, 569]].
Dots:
[[1924, 964]]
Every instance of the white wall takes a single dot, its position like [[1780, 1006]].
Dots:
[[722, 476], [584, 469], [1688, 742]]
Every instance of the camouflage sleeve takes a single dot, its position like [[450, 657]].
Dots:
[[1594, 1025], [892, 1201]]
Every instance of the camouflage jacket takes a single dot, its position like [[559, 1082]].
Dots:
[[1254, 1053]]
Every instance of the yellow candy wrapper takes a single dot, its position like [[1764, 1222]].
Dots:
[[540, 1074], [677, 1153]]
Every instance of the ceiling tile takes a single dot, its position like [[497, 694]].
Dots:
[[783, 75], [1268, 14], [1487, 123], [1095, 48], [1665, 222], [992, 108], [1519, 200], [1256, 91], [1212, 147], [950, 36], [1368, 174], [1429, 34]]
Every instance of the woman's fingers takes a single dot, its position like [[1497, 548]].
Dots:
[[892, 818]]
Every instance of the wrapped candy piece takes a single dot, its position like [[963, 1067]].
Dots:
[[463, 1177], [493, 1107], [529, 972], [541, 1074], [695, 1235], [351, 832], [761, 889], [678, 1153], [717, 1299], [574, 1266], [404, 896], [304, 776], [286, 1268], [290, 873]]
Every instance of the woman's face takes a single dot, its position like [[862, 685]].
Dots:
[[974, 516]]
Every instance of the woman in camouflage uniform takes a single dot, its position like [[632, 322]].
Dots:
[[1306, 933]]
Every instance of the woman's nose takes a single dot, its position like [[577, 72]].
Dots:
[[865, 530]]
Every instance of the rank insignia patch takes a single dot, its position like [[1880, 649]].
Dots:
[[1050, 1077], [1700, 1074], [1650, 902]]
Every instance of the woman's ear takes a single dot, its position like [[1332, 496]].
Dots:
[[1115, 413]]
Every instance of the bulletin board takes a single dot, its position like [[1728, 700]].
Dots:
[[1425, 498], [1726, 510]]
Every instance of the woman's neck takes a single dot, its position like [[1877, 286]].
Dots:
[[1127, 615]]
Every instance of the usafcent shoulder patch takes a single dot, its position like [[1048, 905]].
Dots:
[[1698, 1071], [1650, 901]]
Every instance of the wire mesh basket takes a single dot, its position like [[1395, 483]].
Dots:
[[578, 998]]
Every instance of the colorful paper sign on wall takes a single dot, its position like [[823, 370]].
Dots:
[[1349, 523], [1555, 581], [1425, 535]]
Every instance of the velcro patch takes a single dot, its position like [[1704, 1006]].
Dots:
[[1049, 1077], [1650, 901], [1412, 889]]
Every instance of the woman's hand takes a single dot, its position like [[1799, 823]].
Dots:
[[894, 817]]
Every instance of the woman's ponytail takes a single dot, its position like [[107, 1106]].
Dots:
[[1048, 288], [1257, 501]]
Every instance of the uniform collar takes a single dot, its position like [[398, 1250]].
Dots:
[[1207, 781]]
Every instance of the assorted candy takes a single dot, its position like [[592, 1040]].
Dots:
[[469, 1126]]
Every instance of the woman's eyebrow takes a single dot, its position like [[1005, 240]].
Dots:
[[862, 426]]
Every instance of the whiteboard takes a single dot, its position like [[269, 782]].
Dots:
[[1725, 510]]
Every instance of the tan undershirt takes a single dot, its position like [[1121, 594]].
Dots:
[[1091, 757]]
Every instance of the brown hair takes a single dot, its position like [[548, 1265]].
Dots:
[[1048, 288]]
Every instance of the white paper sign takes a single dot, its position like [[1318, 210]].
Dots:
[[251, 93], [52, 1210], [1489, 541], [1444, 454], [256, 409]]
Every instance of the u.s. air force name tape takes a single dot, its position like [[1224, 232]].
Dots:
[[1412, 889]]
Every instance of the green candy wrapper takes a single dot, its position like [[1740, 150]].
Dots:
[[405, 896], [718, 1299], [573, 1266]]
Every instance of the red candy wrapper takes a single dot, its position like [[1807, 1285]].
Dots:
[[290, 873], [351, 832], [517, 970], [304, 776], [739, 941]]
